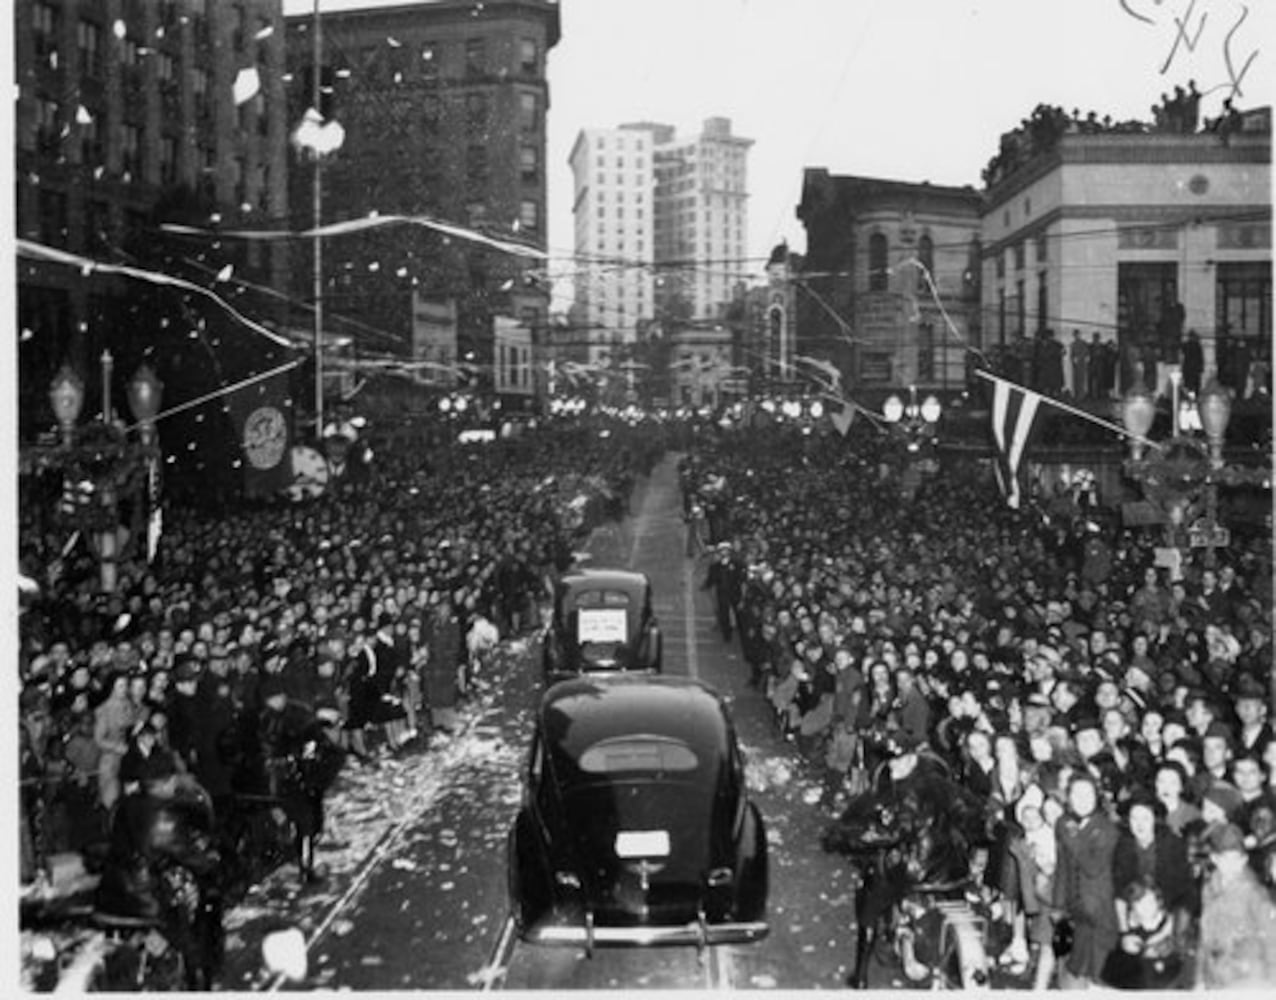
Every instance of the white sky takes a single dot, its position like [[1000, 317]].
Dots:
[[907, 89]]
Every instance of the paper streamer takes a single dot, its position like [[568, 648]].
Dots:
[[38, 251], [358, 225]]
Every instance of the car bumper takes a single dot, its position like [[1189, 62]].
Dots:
[[580, 935]]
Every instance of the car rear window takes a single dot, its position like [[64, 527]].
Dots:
[[643, 756], [601, 599]]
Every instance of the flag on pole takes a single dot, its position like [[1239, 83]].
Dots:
[[1014, 410]]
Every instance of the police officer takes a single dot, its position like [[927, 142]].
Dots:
[[920, 826]]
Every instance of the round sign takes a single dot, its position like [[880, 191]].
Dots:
[[265, 437]]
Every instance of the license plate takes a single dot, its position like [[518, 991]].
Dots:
[[642, 844]]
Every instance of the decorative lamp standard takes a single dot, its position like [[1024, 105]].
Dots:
[[1138, 410], [1215, 407], [145, 391], [100, 464], [915, 420], [1182, 477], [66, 395]]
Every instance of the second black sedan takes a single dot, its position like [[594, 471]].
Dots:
[[602, 622], [636, 828]]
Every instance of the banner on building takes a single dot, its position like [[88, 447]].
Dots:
[[262, 417], [434, 334]]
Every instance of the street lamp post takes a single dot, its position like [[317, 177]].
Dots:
[[317, 203], [1184, 473], [104, 457]]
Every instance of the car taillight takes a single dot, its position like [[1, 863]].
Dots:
[[569, 880]]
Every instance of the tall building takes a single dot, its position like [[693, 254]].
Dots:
[[701, 225], [443, 105], [613, 177], [130, 114], [864, 303]]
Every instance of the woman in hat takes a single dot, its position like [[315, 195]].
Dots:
[[1083, 888], [114, 719]]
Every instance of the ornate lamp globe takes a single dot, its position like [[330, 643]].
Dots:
[[1138, 410]]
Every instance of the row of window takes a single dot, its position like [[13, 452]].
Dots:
[[1019, 252], [424, 63], [91, 48], [879, 261]]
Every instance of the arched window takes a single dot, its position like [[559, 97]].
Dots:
[[926, 255], [877, 263]]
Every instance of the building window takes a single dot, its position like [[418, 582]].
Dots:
[[88, 38], [91, 141], [97, 225], [1001, 315], [128, 52], [877, 251], [1144, 291], [53, 217], [1042, 251], [168, 160], [528, 56], [1019, 256], [529, 218], [1001, 263], [1021, 309], [527, 111], [476, 110], [1243, 298], [527, 163], [1043, 301], [926, 255], [476, 163], [429, 62], [164, 67], [475, 56], [46, 123], [431, 112], [131, 151]]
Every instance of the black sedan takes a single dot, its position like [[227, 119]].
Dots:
[[636, 828], [602, 621]]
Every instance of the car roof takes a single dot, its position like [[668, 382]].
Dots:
[[575, 714], [594, 578]]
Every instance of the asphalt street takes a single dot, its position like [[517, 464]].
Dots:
[[416, 896]]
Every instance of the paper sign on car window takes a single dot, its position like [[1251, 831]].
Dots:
[[601, 625], [642, 844]]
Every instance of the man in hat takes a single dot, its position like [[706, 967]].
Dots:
[[725, 579], [1237, 947], [923, 826], [1251, 710]]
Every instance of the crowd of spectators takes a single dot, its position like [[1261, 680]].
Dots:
[[1115, 719], [371, 608], [1178, 112], [1104, 368]]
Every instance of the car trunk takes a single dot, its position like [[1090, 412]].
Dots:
[[649, 844]]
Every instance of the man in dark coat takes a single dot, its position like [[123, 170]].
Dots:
[[725, 579], [1193, 362], [919, 828]]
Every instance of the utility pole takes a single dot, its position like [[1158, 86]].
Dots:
[[317, 200]]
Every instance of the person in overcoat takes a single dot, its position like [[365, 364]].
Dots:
[[1083, 887]]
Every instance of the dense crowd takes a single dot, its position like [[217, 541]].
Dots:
[[1103, 369], [1114, 719], [365, 614]]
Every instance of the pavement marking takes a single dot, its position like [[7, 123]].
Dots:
[[689, 619]]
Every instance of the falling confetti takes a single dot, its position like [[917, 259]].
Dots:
[[247, 85]]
